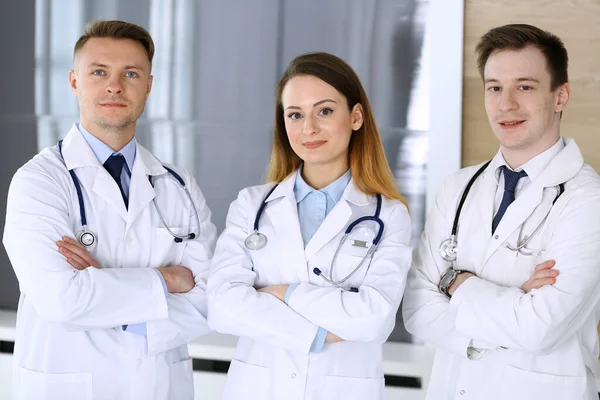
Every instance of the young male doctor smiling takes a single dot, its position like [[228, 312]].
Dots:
[[114, 322], [515, 324]]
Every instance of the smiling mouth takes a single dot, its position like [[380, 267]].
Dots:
[[314, 145], [511, 124]]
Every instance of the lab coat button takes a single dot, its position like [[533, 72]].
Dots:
[[293, 376], [496, 237], [462, 392]]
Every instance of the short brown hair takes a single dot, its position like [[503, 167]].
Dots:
[[519, 36], [116, 30], [366, 157]]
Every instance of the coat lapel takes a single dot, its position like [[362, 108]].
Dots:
[[80, 158], [561, 169], [283, 214], [336, 220], [141, 192]]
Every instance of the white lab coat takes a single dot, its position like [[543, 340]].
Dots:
[[540, 345], [70, 342], [272, 359]]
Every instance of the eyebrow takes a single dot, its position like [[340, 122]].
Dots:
[[314, 105], [524, 79], [99, 65]]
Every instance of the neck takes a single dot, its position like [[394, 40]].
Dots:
[[319, 176], [515, 158], [114, 137]]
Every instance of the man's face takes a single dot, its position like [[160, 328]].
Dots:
[[111, 79], [523, 111]]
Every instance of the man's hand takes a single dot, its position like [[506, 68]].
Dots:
[[76, 254], [275, 290], [331, 338], [543, 275], [178, 279], [460, 278]]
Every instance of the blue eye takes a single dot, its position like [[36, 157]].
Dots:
[[98, 72], [131, 74], [294, 116]]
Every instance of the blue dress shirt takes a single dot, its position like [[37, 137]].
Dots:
[[313, 207], [102, 151]]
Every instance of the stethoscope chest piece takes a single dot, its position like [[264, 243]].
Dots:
[[87, 238], [255, 241], [448, 250]]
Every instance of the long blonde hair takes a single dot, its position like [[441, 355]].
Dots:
[[366, 157]]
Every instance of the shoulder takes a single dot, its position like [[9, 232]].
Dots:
[[255, 194], [45, 166], [583, 189]]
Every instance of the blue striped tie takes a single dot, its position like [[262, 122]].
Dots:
[[511, 178]]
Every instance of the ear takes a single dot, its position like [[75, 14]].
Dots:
[[357, 115], [563, 95], [73, 81], [149, 87]]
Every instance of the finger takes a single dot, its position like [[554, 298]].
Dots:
[[79, 251], [75, 264], [74, 256], [545, 265], [73, 242], [539, 283], [547, 273]]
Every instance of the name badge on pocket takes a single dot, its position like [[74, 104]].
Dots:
[[359, 241]]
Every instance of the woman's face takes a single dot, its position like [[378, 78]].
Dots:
[[318, 122]]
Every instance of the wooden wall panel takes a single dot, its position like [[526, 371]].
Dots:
[[577, 23]]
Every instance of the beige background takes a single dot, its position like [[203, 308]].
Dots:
[[577, 23]]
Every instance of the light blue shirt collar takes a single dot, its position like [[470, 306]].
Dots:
[[102, 151], [334, 190]]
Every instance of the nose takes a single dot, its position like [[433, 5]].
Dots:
[[508, 101], [114, 85], [310, 125]]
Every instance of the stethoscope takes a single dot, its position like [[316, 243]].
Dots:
[[89, 239], [257, 240], [448, 248]]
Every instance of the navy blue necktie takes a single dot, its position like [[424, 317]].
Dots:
[[511, 178], [114, 166]]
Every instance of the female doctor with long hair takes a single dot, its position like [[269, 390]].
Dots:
[[311, 267]]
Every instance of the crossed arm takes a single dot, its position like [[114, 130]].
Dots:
[[64, 291], [236, 307], [510, 317]]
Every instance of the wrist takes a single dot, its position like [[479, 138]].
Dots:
[[451, 279], [460, 279]]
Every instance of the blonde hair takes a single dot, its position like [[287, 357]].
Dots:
[[366, 157], [116, 30]]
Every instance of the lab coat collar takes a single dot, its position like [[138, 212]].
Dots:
[[77, 153], [286, 189], [564, 164], [563, 167]]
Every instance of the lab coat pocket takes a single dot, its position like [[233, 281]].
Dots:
[[41, 386], [182, 381], [343, 388], [519, 384], [165, 251], [246, 382]]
